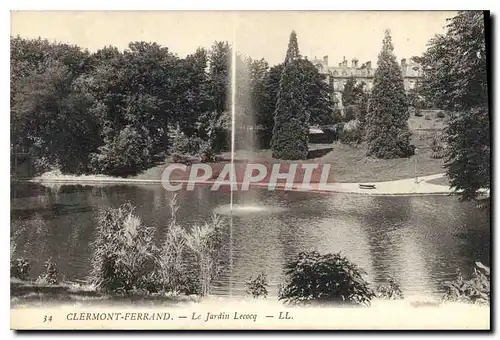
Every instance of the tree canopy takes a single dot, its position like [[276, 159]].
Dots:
[[455, 79]]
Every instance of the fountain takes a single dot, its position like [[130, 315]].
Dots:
[[243, 139]]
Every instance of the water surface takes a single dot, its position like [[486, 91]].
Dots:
[[420, 241]]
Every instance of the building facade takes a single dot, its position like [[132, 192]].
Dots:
[[337, 76]]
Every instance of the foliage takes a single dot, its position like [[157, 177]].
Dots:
[[219, 76], [291, 118], [206, 153], [469, 152], [205, 244], [50, 119], [173, 269], [387, 132], [20, 268], [182, 144], [215, 127], [455, 79], [125, 154], [391, 291], [474, 290], [257, 286], [351, 133], [316, 91], [329, 278], [124, 251], [50, 275], [438, 145]]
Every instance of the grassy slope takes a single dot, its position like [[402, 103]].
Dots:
[[349, 164]]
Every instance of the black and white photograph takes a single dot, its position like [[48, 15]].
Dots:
[[250, 170]]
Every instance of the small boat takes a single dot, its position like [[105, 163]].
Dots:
[[367, 186]]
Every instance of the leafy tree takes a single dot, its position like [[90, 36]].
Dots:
[[353, 99], [291, 127], [348, 97], [266, 104], [219, 77], [135, 97], [192, 88], [51, 119], [30, 61], [263, 101], [387, 132], [317, 93], [455, 79]]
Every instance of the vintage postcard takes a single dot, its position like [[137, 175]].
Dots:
[[250, 170]]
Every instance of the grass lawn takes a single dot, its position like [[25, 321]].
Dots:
[[348, 163]]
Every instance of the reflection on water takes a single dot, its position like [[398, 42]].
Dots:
[[419, 241]]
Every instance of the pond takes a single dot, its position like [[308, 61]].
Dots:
[[419, 241]]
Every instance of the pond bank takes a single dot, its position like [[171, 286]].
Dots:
[[409, 186], [26, 293]]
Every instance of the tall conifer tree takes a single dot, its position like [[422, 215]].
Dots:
[[387, 133], [291, 118]]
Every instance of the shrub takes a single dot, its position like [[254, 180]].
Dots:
[[438, 145], [19, 268], [391, 291], [440, 114], [352, 133], [427, 117], [418, 113], [124, 251], [181, 144], [50, 275], [474, 290], [205, 245], [215, 127], [329, 278], [257, 286], [173, 270], [125, 154], [181, 159], [207, 154]]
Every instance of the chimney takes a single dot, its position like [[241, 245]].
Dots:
[[325, 60], [354, 63], [369, 65], [344, 62]]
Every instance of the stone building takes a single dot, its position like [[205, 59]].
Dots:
[[337, 76]]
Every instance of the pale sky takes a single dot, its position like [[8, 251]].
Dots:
[[261, 34]]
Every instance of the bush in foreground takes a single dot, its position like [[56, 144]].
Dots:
[[127, 260], [124, 251], [257, 286], [51, 274], [19, 268], [390, 291], [474, 290], [329, 278]]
